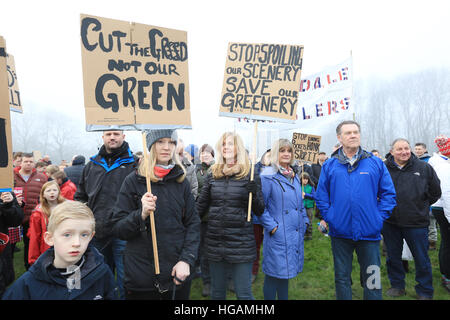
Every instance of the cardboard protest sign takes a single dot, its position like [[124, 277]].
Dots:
[[13, 85], [6, 156], [37, 155], [135, 76], [261, 81], [306, 147]]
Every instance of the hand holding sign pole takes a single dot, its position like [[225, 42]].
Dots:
[[152, 215]]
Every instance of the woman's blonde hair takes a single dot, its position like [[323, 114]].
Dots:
[[70, 210], [241, 154], [152, 164], [275, 151], [44, 203]]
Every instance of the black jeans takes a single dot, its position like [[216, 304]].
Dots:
[[444, 248], [181, 293]]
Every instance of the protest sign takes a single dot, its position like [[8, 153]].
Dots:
[[135, 76], [13, 85], [261, 81], [306, 147], [6, 157], [37, 155], [327, 93]]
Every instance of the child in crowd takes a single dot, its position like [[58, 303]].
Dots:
[[49, 198], [68, 188], [71, 269], [308, 201]]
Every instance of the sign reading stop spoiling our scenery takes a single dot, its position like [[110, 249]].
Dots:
[[261, 81], [135, 76]]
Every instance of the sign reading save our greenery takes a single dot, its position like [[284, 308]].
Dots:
[[261, 81]]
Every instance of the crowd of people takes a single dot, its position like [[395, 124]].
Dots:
[[141, 226]]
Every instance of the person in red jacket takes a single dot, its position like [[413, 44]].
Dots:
[[68, 188], [49, 198], [31, 181]]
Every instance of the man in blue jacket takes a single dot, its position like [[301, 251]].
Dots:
[[355, 195]]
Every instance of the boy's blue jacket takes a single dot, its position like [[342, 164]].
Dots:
[[355, 200], [283, 252], [40, 283]]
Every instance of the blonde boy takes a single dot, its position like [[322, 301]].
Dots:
[[70, 269]]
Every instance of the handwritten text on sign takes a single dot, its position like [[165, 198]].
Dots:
[[14, 93], [134, 73], [306, 147], [262, 80]]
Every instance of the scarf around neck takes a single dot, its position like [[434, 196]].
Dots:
[[162, 171], [230, 171], [288, 173]]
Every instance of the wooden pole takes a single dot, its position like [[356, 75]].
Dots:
[[152, 216], [252, 173]]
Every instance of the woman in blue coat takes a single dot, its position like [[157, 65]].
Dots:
[[284, 221]]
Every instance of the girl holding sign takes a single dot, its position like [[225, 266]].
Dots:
[[284, 221], [177, 224], [230, 241]]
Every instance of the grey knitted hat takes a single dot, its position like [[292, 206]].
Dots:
[[155, 135]]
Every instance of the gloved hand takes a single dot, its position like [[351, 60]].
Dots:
[[252, 187]]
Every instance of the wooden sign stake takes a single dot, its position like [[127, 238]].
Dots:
[[152, 216], [252, 174]]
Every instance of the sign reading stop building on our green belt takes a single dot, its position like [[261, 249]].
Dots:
[[261, 81]]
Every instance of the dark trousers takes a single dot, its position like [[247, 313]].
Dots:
[[204, 263], [417, 241], [258, 230], [181, 293], [444, 248]]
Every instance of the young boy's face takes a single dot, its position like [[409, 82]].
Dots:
[[70, 240]]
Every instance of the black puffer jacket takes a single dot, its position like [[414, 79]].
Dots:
[[11, 215], [177, 227], [75, 171], [229, 236], [417, 187], [100, 184]]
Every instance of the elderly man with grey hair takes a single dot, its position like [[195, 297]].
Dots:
[[417, 187]]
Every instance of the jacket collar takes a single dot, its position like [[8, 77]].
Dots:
[[122, 156], [390, 162], [341, 157]]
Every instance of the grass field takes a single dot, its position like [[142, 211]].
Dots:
[[316, 282]]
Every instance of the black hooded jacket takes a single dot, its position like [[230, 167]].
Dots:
[[100, 184], [44, 282], [177, 227], [417, 187]]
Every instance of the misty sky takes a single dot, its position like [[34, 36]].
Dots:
[[386, 38]]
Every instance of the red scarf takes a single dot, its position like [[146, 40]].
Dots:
[[161, 172]]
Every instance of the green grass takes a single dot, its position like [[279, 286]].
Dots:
[[316, 282]]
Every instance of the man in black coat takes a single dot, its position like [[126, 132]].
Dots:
[[417, 187], [99, 187], [75, 171]]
